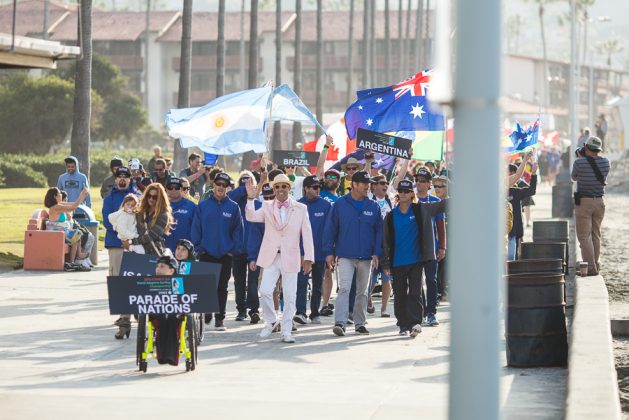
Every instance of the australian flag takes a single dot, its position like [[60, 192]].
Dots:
[[523, 139], [401, 107]]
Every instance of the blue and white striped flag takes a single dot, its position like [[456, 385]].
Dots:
[[288, 106]]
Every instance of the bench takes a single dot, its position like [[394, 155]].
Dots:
[[43, 250]]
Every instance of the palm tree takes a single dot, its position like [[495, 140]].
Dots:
[[372, 43], [387, 40], [609, 47], [80, 140], [297, 66], [241, 45], [183, 99], [407, 41], [541, 4], [277, 129], [350, 54], [366, 45], [319, 101], [400, 40], [220, 50], [419, 37], [253, 45]]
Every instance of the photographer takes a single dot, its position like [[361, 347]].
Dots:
[[195, 173], [590, 172]]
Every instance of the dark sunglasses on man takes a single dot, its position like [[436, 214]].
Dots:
[[331, 176], [173, 188]]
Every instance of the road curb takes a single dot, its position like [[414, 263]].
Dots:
[[592, 390]]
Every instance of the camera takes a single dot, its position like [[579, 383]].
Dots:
[[580, 152]]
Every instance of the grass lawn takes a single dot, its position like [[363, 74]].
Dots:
[[16, 207]]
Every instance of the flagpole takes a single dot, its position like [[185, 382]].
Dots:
[[268, 128]]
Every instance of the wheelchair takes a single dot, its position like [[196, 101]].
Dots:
[[188, 341]]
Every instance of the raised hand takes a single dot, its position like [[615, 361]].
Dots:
[[252, 189]]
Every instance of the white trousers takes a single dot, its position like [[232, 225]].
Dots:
[[270, 276]]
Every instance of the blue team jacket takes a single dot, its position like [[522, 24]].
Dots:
[[217, 227], [254, 234], [111, 204], [352, 234], [318, 210], [183, 212]]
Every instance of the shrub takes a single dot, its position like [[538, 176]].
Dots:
[[18, 175]]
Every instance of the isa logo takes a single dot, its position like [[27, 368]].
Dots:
[[391, 141], [302, 155]]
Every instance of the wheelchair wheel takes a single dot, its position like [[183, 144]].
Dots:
[[191, 342], [141, 344], [199, 321]]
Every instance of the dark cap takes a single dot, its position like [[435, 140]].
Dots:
[[405, 185], [115, 161], [332, 172], [267, 190], [169, 261], [362, 177], [188, 245], [594, 144], [243, 179], [123, 172], [424, 173], [311, 180], [173, 181], [513, 168], [222, 176], [430, 162]]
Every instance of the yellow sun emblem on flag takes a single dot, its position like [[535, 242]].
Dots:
[[219, 122]]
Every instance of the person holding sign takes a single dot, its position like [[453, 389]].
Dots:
[[286, 222]]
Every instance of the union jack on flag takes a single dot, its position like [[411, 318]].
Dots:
[[390, 109]]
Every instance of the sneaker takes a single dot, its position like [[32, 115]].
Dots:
[[268, 330], [385, 314], [350, 320], [432, 320], [300, 319], [277, 327], [339, 330], [219, 326], [207, 318], [371, 309], [331, 306], [326, 311], [242, 315], [403, 331], [294, 327], [288, 339], [362, 330], [315, 320], [255, 318], [415, 330]]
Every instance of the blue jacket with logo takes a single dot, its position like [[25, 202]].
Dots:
[[217, 227], [111, 204], [254, 233], [350, 233], [183, 212], [318, 210]]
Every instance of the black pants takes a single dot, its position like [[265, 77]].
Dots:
[[442, 284], [245, 285], [407, 286], [226, 270]]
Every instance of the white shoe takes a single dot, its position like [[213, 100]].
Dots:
[[315, 320], [415, 330], [288, 339], [267, 331]]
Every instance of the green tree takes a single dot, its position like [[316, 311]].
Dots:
[[107, 79], [123, 117], [40, 112]]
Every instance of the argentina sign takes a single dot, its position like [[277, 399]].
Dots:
[[383, 143]]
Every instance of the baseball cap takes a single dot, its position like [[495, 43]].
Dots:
[[188, 245], [134, 164], [311, 180], [173, 181], [123, 172], [332, 172], [222, 176], [595, 144], [267, 190], [362, 177], [405, 185], [169, 261], [115, 161], [424, 173], [243, 180]]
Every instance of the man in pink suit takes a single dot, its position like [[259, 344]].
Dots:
[[286, 222]]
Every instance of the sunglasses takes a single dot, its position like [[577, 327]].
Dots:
[[315, 187], [331, 177], [353, 168], [173, 187], [280, 186], [220, 184], [404, 191], [289, 167], [439, 186], [268, 197], [152, 196], [382, 183], [185, 188], [124, 176]]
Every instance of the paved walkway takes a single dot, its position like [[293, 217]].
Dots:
[[59, 359]]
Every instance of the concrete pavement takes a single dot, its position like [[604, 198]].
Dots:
[[59, 359]]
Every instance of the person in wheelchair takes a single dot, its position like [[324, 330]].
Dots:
[[167, 327]]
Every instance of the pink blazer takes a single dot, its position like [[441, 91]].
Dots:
[[283, 238]]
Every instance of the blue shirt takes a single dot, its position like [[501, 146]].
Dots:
[[318, 210], [406, 248], [183, 212], [328, 196], [440, 216]]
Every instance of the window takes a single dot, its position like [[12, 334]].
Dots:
[[135, 80], [200, 81], [204, 48]]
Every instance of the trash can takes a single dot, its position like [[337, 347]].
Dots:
[[85, 216]]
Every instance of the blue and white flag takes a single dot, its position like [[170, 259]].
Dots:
[[524, 139], [286, 105], [228, 125]]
